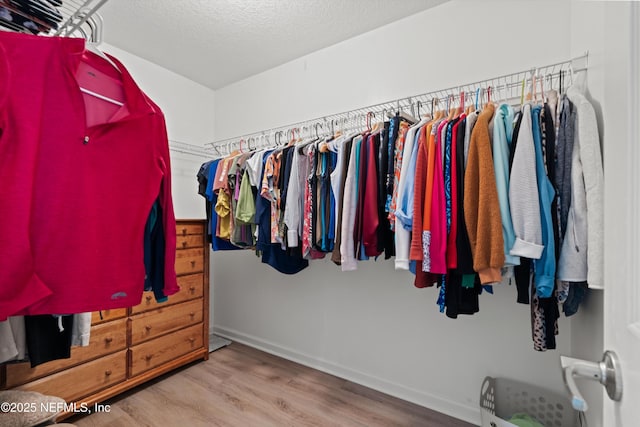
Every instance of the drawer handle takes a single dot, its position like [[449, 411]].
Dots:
[[184, 231], [192, 340], [148, 328], [108, 340], [193, 263], [149, 298], [107, 372], [192, 289], [148, 357], [184, 244], [192, 314]]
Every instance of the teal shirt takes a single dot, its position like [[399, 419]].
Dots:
[[545, 267], [502, 135]]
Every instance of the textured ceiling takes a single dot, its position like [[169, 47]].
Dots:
[[218, 42]]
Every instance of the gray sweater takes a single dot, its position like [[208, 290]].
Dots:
[[582, 253], [523, 194]]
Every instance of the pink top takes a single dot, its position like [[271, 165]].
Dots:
[[438, 244], [75, 198]]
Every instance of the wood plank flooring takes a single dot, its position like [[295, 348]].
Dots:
[[242, 386]]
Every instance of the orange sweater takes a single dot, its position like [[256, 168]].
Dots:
[[481, 205], [431, 164]]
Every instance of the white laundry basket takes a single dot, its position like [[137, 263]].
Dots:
[[501, 398]]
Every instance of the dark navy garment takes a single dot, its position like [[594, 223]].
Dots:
[[393, 136], [203, 180], [326, 201], [154, 245], [577, 293], [331, 213], [272, 253], [386, 241]]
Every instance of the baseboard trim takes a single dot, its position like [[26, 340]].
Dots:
[[453, 409]]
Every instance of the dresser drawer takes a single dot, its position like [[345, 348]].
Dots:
[[190, 288], [80, 381], [164, 349], [152, 324], [189, 261], [98, 317], [105, 338], [190, 241], [186, 229]]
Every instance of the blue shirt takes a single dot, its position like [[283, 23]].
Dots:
[[404, 210], [545, 267]]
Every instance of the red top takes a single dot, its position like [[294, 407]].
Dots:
[[370, 220], [74, 198]]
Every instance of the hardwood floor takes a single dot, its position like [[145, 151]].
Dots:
[[242, 386]]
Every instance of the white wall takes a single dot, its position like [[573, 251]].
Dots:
[[372, 326], [188, 108], [455, 43]]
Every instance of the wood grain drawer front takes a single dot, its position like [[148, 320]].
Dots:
[[164, 349], [190, 241], [152, 324], [105, 339], [184, 229], [189, 261], [76, 383], [108, 315], [190, 288]]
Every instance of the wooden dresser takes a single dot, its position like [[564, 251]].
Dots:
[[130, 346]]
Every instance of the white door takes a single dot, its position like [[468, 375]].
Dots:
[[622, 206]]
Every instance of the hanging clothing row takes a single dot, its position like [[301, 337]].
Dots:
[[81, 176], [464, 199]]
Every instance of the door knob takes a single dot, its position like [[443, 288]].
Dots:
[[607, 372]]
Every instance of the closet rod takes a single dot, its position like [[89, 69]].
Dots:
[[184, 148], [507, 87]]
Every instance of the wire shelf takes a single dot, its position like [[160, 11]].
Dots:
[[185, 148], [506, 88]]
